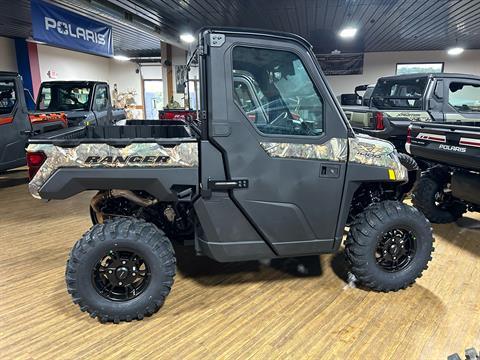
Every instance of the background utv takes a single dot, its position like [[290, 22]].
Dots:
[[238, 187]]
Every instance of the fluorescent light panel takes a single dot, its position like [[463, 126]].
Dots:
[[348, 32]]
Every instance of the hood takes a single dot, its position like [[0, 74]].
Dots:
[[367, 150]]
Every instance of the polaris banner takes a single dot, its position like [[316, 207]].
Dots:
[[56, 26]]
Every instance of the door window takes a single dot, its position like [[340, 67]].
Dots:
[[281, 89], [8, 97], [464, 97], [101, 98]]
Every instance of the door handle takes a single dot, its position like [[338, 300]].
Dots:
[[329, 171]]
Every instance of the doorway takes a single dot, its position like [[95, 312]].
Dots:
[[153, 96]]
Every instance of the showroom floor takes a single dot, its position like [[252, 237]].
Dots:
[[238, 311]]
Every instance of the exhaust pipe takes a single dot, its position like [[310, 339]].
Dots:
[[99, 198], [129, 195]]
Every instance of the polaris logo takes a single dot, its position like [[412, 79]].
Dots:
[[73, 31], [452, 148], [134, 159]]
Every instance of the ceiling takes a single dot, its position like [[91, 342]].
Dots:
[[383, 25]]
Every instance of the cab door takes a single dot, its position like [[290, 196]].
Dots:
[[286, 172], [101, 105], [13, 123]]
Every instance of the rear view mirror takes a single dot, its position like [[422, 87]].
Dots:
[[439, 89]]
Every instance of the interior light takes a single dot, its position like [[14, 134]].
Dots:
[[348, 32], [455, 51], [121, 58], [188, 38]]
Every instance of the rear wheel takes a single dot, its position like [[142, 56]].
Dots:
[[389, 245], [121, 270], [438, 205]]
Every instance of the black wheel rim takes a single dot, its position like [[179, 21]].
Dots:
[[121, 275], [395, 250]]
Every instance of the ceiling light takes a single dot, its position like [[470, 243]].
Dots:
[[455, 50], [121, 58], [188, 38], [348, 32]]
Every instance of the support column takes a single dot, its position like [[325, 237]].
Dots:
[[28, 67], [167, 72]]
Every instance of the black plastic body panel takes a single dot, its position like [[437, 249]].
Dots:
[[66, 182], [452, 152], [466, 186], [116, 135]]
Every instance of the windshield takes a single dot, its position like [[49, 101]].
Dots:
[[399, 93], [64, 97]]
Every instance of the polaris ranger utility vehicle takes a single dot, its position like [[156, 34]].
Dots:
[[396, 101], [17, 124], [236, 187], [452, 186], [84, 102]]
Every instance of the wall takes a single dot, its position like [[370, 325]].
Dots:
[[380, 64], [8, 59]]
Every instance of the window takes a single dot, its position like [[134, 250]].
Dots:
[[403, 93], [247, 98], [464, 97], [64, 97], [101, 98], [274, 90], [8, 97], [419, 68]]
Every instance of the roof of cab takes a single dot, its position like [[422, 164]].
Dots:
[[432, 75], [256, 32]]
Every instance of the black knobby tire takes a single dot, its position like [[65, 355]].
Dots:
[[413, 174], [424, 199], [137, 236], [408, 161], [369, 229]]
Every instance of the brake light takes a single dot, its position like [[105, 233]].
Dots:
[[34, 161], [379, 121]]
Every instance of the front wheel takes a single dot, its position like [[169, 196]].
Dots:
[[121, 270], [389, 245]]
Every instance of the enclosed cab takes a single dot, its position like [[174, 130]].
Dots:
[[275, 177], [397, 101]]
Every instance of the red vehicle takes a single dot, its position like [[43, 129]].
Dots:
[[176, 114]]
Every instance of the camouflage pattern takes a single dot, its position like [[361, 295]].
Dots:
[[408, 114], [361, 149], [182, 155], [334, 149], [367, 150]]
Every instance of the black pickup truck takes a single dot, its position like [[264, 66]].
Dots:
[[397, 101], [236, 184], [452, 185]]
